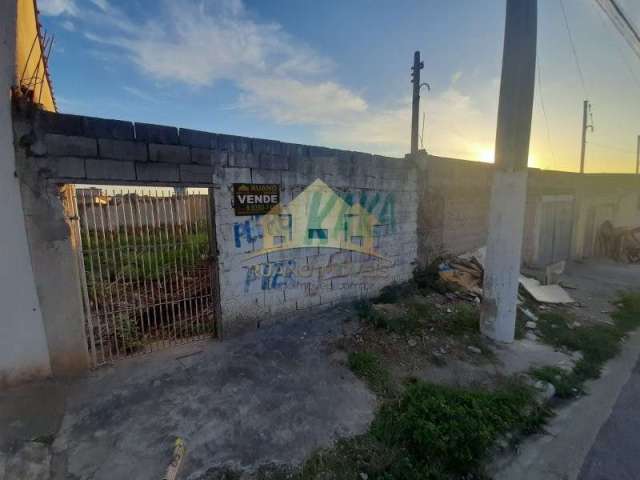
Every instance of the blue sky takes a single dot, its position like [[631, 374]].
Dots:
[[336, 73]]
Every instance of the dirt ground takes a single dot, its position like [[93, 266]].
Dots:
[[271, 396]]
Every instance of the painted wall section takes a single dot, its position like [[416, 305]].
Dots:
[[23, 348], [31, 70]]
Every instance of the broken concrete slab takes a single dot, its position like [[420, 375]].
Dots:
[[545, 293]]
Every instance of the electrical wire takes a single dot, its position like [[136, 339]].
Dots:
[[573, 47], [544, 114]]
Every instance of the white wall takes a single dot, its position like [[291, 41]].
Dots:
[[23, 346]]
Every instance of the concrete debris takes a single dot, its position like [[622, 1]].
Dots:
[[474, 349], [545, 293], [529, 314], [531, 325]]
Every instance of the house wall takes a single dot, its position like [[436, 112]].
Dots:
[[23, 347]]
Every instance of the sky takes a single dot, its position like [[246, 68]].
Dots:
[[337, 73]]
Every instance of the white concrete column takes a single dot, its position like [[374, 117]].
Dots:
[[509, 190], [24, 353]]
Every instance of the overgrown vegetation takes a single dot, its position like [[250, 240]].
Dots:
[[430, 432], [140, 256], [369, 367], [596, 343]]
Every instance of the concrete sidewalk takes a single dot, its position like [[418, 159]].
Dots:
[[272, 396]]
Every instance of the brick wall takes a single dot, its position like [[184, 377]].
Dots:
[[253, 289]]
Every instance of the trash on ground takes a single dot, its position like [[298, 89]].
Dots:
[[179, 450], [545, 293]]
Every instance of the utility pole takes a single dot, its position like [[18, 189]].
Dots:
[[638, 157], [415, 106], [586, 111], [509, 189]]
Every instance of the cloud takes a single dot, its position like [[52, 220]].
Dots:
[[57, 7], [280, 78]]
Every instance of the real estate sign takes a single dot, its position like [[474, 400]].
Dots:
[[255, 198]]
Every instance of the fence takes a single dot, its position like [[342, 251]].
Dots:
[[147, 264]]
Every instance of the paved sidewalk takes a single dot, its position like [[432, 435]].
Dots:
[[271, 396]]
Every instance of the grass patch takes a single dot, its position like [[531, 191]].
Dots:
[[369, 367], [431, 432], [597, 343]]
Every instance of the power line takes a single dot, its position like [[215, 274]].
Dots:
[[544, 113], [573, 47], [618, 48]]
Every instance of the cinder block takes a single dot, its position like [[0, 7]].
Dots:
[[266, 176], [196, 174], [197, 138], [107, 128], [70, 145], [157, 172], [146, 132], [126, 150], [243, 159], [99, 169], [169, 153], [61, 123], [270, 161], [260, 146], [61, 167], [294, 150], [233, 143]]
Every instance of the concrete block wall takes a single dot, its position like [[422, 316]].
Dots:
[[455, 196], [58, 148]]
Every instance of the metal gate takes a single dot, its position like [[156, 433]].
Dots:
[[148, 267], [556, 229]]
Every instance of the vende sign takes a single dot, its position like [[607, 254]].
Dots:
[[255, 198]]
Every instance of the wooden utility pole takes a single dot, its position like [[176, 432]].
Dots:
[[586, 110], [415, 106], [508, 194], [638, 157]]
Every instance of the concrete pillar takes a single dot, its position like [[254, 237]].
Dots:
[[24, 353], [509, 190]]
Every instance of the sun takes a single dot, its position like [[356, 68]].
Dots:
[[486, 155]]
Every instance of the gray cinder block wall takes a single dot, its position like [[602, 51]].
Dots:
[[254, 290]]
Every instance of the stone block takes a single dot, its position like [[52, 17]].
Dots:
[[61, 123], [270, 161], [243, 159], [107, 128], [99, 169], [157, 172], [146, 132], [61, 167], [197, 138], [199, 174], [125, 150], [70, 145], [169, 153]]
